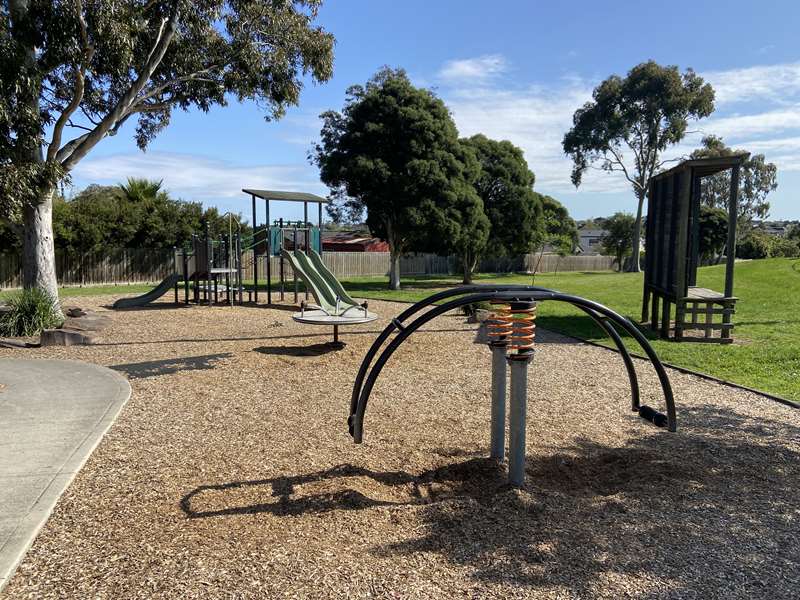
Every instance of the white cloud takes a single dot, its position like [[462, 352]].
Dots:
[[196, 177], [744, 125], [473, 70], [536, 118], [771, 83]]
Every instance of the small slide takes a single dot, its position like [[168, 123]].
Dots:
[[329, 277], [324, 295], [151, 296]]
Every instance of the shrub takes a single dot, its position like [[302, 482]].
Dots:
[[754, 244], [28, 312], [783, 247]]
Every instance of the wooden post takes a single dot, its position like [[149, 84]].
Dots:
[[733, 205], [268, 245], [665, 318], [654, 312], [682, 250], [645, 303]]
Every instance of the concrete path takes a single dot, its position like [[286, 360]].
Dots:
[[52, 415]]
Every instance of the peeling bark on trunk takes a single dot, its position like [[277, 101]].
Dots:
[[39, 260]]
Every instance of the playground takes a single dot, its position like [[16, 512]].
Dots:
[[230, 471]]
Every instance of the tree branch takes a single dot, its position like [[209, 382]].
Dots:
[[121, 109], [80, 78]]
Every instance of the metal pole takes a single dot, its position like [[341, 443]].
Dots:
[[497, 446], [516, 418], [294, 273], [320, 227], [268, 245], [255, 256]]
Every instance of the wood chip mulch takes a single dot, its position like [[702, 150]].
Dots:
[[230, 474]]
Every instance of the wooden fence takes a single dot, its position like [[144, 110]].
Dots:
[[127, 266]]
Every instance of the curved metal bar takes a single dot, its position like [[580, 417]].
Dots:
[[397, 323], [357, 417], [626, 357]]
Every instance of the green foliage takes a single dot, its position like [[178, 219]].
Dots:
[[617, 240], [95, 65], [756, 180], [394, 152], [28, 312], [754, 244], [641, 114], [713, 232], [784, 248], [138, 214], [505, 185], [556, 228]]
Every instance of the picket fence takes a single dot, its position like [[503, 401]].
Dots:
[[137, 265]]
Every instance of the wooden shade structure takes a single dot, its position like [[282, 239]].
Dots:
[[672, 245]]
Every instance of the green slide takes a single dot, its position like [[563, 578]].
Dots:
[[151, 296], [329, 277], [324, 295]]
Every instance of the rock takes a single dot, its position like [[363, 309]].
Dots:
[[65, 337], [75, 311], [11, 343]]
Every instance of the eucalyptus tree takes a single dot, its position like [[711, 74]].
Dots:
[[631, 121], [757, 179], [91, 66]]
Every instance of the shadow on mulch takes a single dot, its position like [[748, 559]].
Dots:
[[692, 507], [168, 366], [298, 351]]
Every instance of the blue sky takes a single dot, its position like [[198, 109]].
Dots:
[[511, 70]]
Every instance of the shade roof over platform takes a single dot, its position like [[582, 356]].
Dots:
[[287, 196], [703, 167]]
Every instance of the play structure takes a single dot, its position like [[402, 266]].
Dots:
[[210, 269], [207, 268], [672, 253], [511, 333]]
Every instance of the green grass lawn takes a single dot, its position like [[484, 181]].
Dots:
[[766, 355]]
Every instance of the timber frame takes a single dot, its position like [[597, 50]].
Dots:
[[672, 253]]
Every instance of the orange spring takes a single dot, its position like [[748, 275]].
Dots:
[[499, 324], [523, 325]]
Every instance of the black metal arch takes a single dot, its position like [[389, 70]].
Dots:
[[602, 315]]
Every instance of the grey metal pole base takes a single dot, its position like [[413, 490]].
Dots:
[[497, 445], [516, 418]]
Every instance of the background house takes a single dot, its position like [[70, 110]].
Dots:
[[352, 241]]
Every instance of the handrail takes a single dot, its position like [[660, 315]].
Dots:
[[601, 314]]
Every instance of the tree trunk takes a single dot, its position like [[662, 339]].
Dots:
[[469, 267], [394, 268], [39, 260], [637, 236]]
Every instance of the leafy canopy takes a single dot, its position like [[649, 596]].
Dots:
[[505, 185], [757, 179], [92, 65], [617, 240], [713, 231], [394, 152], [643, 114], [137, 214]]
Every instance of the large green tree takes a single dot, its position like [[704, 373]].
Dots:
[[617, 239], [91, 66], [505, 185], [756, 180], [394, 152], [631, 121]]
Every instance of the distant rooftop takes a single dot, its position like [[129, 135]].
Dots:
[[286, 196]]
